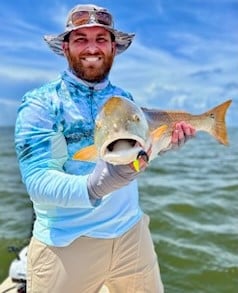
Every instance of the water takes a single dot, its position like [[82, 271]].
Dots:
[[191, 197]]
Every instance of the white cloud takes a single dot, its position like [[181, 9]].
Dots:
[[24, 74], [166, 79], [192, 70], [8, 112]]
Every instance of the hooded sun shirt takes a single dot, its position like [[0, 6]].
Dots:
[[54, 122]]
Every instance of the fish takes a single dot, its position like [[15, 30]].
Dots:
[[124, 131]]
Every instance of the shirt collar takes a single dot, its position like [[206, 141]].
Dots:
[[95, 85]]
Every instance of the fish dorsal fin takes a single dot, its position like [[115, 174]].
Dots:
[[158, 132], [88, 153]]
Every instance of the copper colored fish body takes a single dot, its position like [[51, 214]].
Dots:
[[122, 130], [212, 122]]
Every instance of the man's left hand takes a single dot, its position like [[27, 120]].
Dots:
[[181, 133]]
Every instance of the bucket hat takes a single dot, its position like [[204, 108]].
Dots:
[[88, 16]]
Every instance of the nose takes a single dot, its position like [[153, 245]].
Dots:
[[92, 47]]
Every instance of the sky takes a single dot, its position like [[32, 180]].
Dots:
[[184, 55]]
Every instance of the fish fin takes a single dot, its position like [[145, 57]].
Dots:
[[219, 130], [158, 132], [88, 153]]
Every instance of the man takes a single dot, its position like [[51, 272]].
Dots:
[[89, 229]]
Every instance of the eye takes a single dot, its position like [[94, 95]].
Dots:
[[80, 40], [102, 40], [136, 118]]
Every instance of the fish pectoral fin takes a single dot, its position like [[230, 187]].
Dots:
[[87, 154], [158, 132]]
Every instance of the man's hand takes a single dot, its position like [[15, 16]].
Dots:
[[106, 178], [181, 133]]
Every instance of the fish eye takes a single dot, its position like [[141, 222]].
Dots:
[[136, 118]]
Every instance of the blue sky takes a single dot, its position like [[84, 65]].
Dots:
[[184, 56]]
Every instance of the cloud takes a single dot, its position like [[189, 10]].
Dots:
[[180, 58], [27, 74], [8, 112], [165, 79]]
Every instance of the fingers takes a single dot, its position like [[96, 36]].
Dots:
[[182, 132]]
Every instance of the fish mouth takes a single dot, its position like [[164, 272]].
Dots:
[[122, 150], [114, 144]]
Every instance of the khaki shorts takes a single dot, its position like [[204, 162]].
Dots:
[[126, 264]]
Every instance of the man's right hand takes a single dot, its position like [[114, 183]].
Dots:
[[106, 178]]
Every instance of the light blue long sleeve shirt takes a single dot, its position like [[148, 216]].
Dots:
[[53, 122]]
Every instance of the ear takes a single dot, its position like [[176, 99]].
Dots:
[[114, 48], [65, 47]]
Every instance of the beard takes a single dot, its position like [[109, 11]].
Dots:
[[90, 73]]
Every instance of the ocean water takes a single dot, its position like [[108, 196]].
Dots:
[[191, 196]]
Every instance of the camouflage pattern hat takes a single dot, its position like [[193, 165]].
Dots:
[[89, 16]]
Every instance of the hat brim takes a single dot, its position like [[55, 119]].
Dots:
[[122, 40]]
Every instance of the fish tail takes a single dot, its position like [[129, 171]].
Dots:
[[219, 130]]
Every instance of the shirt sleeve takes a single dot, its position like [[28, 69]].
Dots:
[[42, 151]]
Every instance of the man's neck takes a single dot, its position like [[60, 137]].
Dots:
[[95, 85]]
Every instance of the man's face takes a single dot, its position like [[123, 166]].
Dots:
[[90, 53]]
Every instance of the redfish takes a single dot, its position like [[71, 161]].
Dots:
[[123, 130]]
